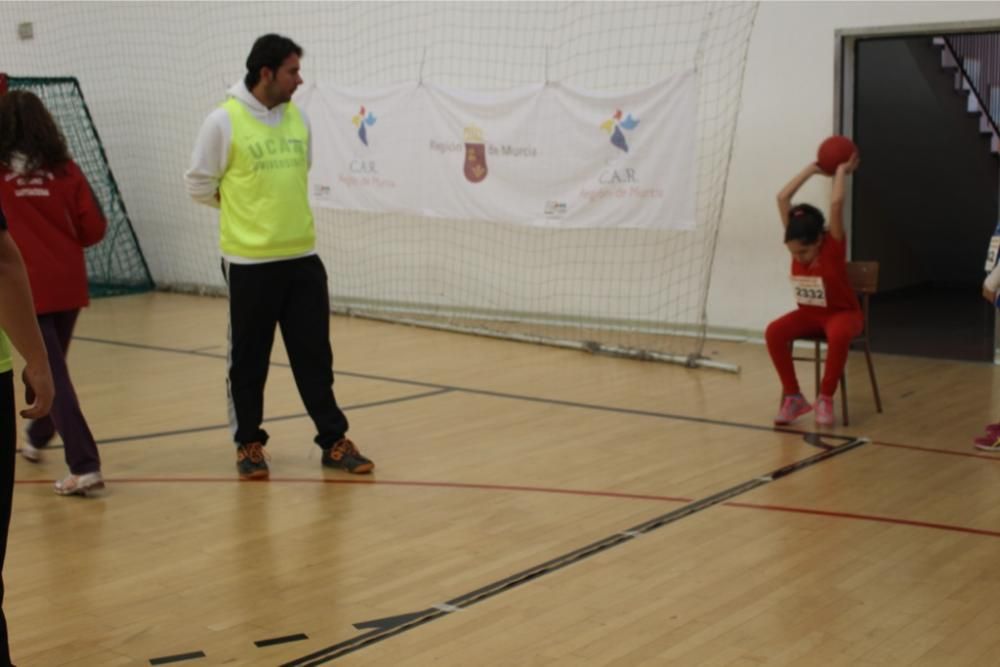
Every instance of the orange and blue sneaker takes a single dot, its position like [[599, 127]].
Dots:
[[344, 455], [251, 461], [793, 406]]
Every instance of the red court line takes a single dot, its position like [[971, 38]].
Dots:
[[453, 485], [933, 450], [542, 489], [867, 517]]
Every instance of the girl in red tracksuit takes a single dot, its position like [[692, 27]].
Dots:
[[52, 216], [827, 303]]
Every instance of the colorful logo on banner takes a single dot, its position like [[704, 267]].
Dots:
[[361, 121], [475, 155], [614, 127]]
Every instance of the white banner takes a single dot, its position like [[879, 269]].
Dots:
[[543, 155]]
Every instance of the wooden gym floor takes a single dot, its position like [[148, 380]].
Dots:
[[530, 506]]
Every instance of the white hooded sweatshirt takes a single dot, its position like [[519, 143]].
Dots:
[[211, 149]]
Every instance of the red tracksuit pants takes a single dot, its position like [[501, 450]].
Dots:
[[840, 327]]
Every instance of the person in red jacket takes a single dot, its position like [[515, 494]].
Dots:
[[827, 303], [52, 216]]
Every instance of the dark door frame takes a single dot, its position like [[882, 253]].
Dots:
[[845, 40]]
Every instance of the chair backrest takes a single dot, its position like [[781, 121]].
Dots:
[[863, 276]]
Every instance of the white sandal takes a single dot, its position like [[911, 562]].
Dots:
[[30, 452], [79, 485]]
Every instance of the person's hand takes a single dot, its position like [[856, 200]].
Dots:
[[39, 390], [852, 164]]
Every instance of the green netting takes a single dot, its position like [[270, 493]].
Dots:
[[115, 265]]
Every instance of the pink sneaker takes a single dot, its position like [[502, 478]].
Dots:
[[824, 410], [992, 433], [793, 406], [989, 445]]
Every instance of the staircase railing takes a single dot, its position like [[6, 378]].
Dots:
[[978, 59]]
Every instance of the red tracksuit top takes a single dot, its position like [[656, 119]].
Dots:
[[52, 216], [831, 266]]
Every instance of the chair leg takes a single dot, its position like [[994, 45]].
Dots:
[[871, 374], [819, 362], [843, 394]]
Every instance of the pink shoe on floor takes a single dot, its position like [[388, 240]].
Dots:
[[988, 445], [992, 433], [824, 410], [793, 406]]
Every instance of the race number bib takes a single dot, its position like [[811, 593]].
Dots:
[[991, 255], [809, 290]]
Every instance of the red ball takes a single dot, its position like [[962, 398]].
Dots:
[[833, 152]]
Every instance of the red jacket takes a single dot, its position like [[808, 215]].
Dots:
[[831, 266], [52, 217]]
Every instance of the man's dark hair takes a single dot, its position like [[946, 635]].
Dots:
[[268, 51], [805, 224]]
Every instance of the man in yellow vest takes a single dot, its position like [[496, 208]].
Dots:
[[17, 317], [251, 160]]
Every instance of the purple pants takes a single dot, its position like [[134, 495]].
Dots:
[[66, 418]]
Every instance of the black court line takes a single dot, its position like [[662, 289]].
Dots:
[[300, 415], [278, 364], [180, 657], [396, 625], [813, 438], [816, 440], [281, 640], [205, 348], [385, 628]]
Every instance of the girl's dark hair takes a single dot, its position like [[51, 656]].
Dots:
[[27, 127], [268, 51], [805, 224]]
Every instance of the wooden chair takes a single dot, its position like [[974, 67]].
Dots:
[[864, 279]]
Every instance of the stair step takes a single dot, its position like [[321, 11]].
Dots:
[[967, 81], [972, 68], [947, 59]]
